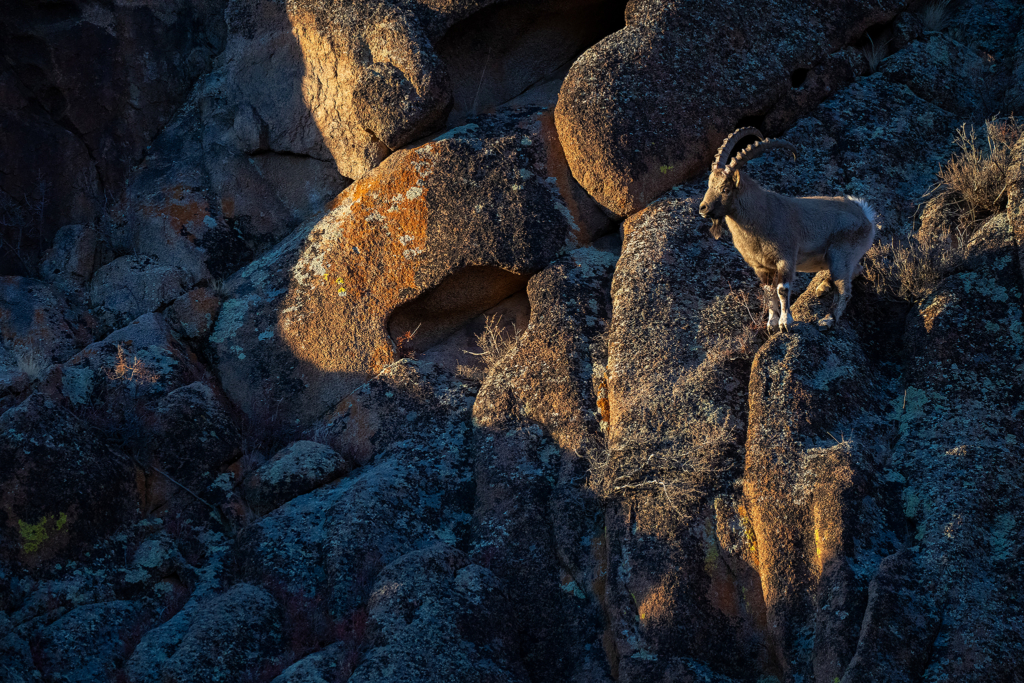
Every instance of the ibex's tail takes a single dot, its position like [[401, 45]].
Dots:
[[869, 213]]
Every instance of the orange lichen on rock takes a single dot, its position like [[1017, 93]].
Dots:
[[345, 294]]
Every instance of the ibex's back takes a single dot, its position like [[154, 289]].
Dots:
[[778, 235]]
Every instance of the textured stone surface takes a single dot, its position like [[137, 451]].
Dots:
[[297, 469], [62, 487], [131, 286], [434, 616], [195, 312], [230, 636], [635, 483], [415, 489], [427, 241], [678, 359], [34, 323]]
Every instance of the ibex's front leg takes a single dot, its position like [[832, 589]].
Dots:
[[767, 278], [784, 280]]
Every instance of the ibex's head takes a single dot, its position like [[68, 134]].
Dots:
[[724, 181]]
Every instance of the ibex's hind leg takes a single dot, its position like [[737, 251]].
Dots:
[[843, 275], [767, 278], [843, 294], [824, 286]]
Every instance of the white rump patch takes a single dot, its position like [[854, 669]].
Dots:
[[869, 213]]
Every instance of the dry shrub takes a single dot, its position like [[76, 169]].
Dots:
[[131, 372], [972, 186], [495, 341], [733, 327], [905, 269], [404, 343], [678, 475], [978, 173]]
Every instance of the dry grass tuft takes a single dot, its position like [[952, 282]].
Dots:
[[495, 341], [32, 361], [977, 174], [934, 16], [874, 53]]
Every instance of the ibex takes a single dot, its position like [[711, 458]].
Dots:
[[778, 235]]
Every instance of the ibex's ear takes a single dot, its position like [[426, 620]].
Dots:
[[736, 177]]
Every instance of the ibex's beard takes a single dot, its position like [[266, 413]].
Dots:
[[717, 227]]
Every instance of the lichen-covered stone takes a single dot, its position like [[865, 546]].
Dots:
[[536, 524], [69, 264], [434, 617], [195, 312], [84, 91], [681, 579], [231, 636], [297, 469], [131, 286], [62, 488], [34, 324], [414, 490], [87, 643], [957, 89], [486, 205]]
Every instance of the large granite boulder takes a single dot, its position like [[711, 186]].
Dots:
[[420, 246], [434, 616], [536, 522], [682, 583], [310, 96]]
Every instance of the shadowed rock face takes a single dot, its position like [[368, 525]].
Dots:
[[243, 437], [84, 88]]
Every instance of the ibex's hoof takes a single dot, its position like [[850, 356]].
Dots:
[[827, 323], [823, 289]]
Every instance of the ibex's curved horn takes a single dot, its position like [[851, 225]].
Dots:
[[722, 155], [757, 149]]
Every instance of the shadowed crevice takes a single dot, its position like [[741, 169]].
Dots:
[[438, 313]]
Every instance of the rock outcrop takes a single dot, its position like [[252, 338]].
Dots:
[[421, 245], [346, 373]]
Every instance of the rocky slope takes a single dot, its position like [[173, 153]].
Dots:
[[382, 341]]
